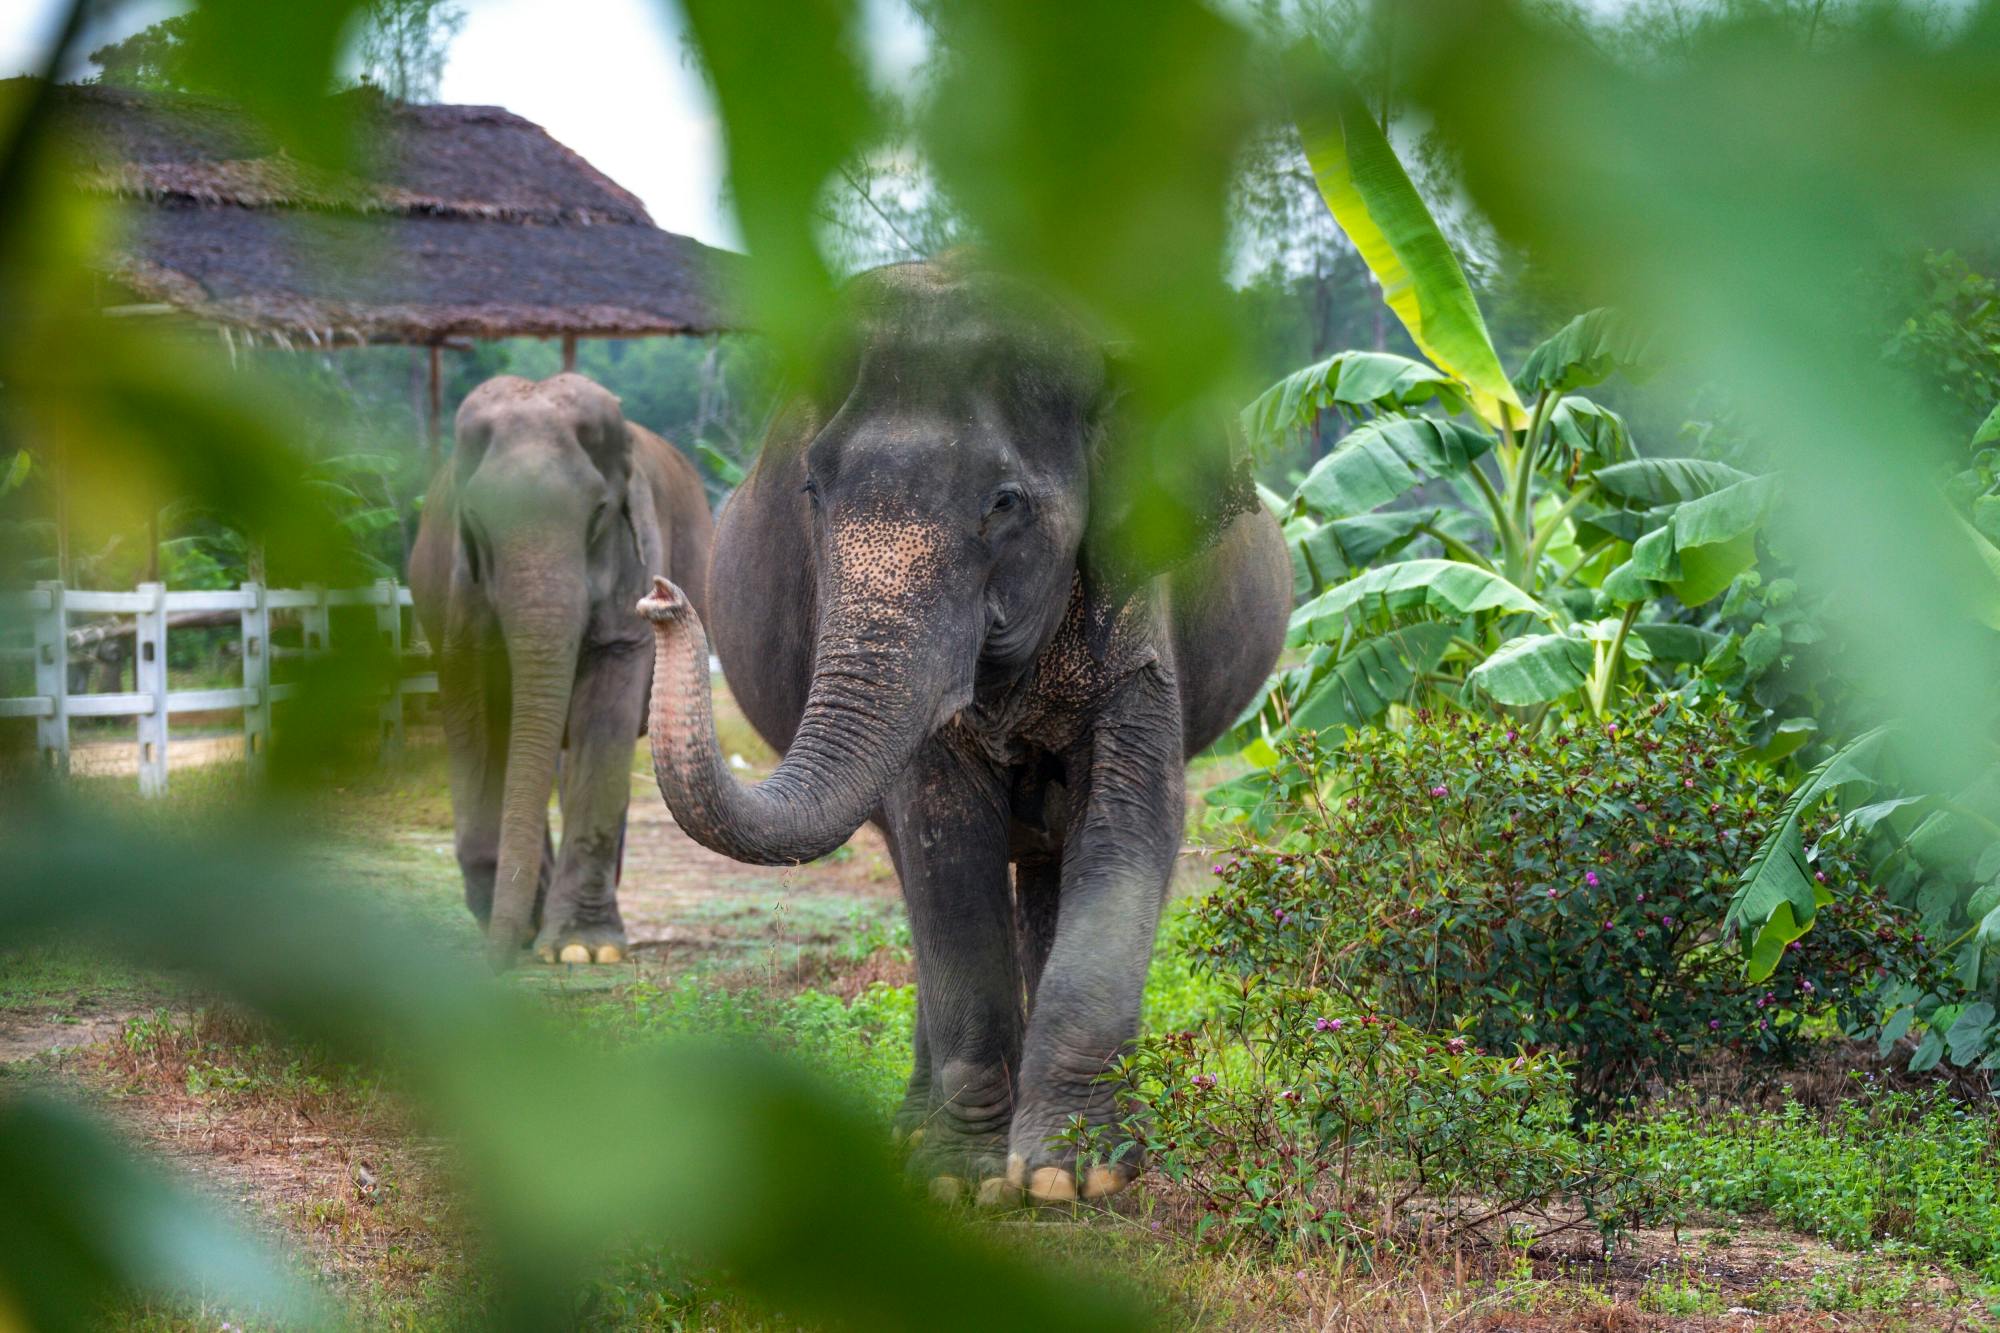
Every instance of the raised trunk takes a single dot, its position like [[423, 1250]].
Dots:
[[872, 702], [541, 655]]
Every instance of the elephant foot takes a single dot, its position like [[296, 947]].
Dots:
[[963, 1171], [992, 1192], [604, 945], [1064, 1183], [1060, 1155]]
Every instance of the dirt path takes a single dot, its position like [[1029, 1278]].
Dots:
[[120, 758], [25, 1036], [677, 895]]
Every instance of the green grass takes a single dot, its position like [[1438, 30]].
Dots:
[[1918, 1171], [65, 980], [1681, 1293]]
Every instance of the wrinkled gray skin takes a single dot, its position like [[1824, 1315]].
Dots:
[[924, 600], [537, 537]]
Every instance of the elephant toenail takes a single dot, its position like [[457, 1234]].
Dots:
[[609, 954], [1104, 1180], [946, 1189], [997, 1192], [1053, 1184], [575, 953]]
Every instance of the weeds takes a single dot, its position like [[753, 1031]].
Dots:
[[1918, 1168]]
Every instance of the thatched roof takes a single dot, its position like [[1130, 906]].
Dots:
[[462, 221]]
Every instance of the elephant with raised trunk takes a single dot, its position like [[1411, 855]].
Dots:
[[536, 539], [930, 594]]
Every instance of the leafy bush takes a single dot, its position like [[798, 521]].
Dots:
[[1560, 889], [1296, 1120]]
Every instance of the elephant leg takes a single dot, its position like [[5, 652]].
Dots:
[[580, 923], [475, 733], [1117, 858], [948, 819], [1037, 886], [915, 1110]]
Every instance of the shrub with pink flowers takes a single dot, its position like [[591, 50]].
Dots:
[[1556, 889]]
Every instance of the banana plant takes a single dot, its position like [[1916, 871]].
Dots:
[[1548, 547], [1937, 854]]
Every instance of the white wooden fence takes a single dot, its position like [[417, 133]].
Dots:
[[52, 705]]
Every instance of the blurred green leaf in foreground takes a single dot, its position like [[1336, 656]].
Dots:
[[726, 1159]]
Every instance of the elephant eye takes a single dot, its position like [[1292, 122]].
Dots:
[[1006, 500], [811, 489]]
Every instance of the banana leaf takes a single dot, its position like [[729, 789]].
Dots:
[[1372, 199], [1533, 669], [1588, 350], [1775, 896], [1443, 587], [1383, 458], [1645, 483], [1353, 381], [1359, 687]]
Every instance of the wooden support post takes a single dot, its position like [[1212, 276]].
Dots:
[[257, 677], [434, 427], [569, 351], [389, 621], [150, 672], [52, 678]]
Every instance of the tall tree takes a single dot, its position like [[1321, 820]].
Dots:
[[403, 45], [153, 59]]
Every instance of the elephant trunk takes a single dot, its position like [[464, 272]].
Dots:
[[541, 631], [870, 706]]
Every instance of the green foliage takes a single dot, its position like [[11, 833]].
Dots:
[[862, 1048], [1949, 342], [153, 59], [1919, 1168], [1678, 183], [1588, 350], [1934, 857], [1440, 586], [1601, 547], [1349, 382], [1380, 460], [1372, 198], [1296, 1120], [1554, 890]]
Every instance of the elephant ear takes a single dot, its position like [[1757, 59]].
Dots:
[[1162, 492]]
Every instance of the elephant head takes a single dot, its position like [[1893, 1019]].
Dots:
[[552, 535], [946, 470]]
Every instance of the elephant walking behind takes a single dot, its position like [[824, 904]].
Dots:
[[930, 593], [536, 539]]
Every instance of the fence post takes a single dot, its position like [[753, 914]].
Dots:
[[150, 670], [256, 677], [389, 620], [52, 677], [313, 622]]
